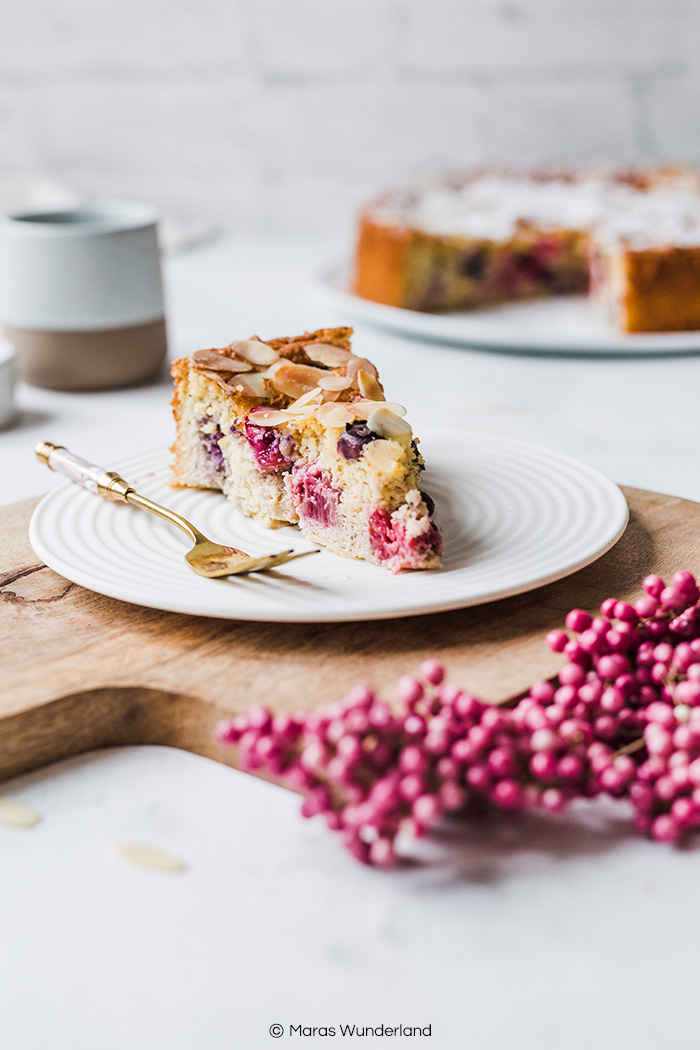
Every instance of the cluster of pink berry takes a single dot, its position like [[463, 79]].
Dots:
[[622, 718]]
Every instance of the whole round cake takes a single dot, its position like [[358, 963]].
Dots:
[[488, 236]]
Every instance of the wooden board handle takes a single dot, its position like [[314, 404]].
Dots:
[[80, 670]]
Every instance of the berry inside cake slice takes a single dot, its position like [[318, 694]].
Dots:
[[297, 430]]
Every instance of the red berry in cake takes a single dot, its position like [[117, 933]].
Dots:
[[267, 446]]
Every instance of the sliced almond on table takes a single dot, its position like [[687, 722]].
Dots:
[[18, 814], [147, 857], [254, 351]]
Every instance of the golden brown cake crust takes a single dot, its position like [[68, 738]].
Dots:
[[662, 292], [380, 261], [293, 347], [179, 370]]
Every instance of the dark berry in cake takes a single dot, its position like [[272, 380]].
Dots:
[[356, 436], [473, 263], [429, 502], [210, 441]]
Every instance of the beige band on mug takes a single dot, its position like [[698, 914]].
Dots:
[[89, 360]]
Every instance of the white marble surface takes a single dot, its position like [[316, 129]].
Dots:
[[543, 933]]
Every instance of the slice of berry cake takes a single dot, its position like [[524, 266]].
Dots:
[[298, 431]]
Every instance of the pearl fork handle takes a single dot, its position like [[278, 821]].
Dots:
[[58, 458]]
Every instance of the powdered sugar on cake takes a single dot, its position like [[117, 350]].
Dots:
[[493, 206]]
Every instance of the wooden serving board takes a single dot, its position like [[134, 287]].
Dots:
[[81, 671]]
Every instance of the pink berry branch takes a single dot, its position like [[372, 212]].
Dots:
[[622, 718]]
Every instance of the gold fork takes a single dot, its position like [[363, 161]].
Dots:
[[206, 558]]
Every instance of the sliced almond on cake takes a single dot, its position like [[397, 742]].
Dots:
[[217, 362], [294, 380], [254, 351], [325, 354], [387, 424], [369, 385]]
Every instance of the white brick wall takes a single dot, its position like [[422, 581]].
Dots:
[[542, 36], [285, 114]]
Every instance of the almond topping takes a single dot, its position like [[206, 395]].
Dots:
[[256, 352], [326, 354], [370, 387], [331, 415], [387, 424], [295, 380], [357, 363], [268, 417], [219, 378], [300, 414], [253, 385], [379, 454], [270, 372], [335, 382], [218, 362], [363, 408], [306, 399], [306, 404]]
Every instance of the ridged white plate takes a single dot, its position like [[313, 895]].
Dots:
[[513, 517], [566, 325]]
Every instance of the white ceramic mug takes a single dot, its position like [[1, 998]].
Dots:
[[81, 295]]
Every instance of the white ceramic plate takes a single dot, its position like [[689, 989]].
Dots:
[[568, 325], [513, 517]]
